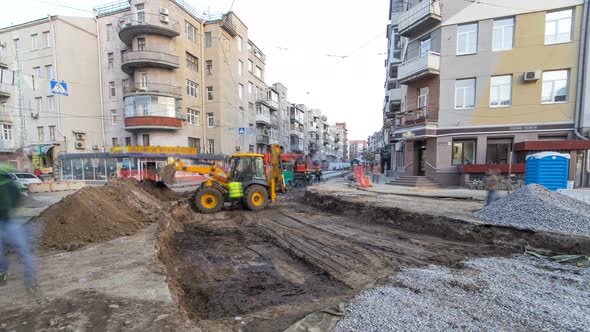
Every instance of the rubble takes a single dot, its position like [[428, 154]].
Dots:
[[537, 208]]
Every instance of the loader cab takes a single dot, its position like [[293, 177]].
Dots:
[[248, 168]]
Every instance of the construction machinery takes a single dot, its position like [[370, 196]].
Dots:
[[260, 175], [300, 166]]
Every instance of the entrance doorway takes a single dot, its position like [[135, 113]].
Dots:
[[420, 157]]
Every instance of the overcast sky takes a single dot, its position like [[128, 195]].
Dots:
[[297, 37]]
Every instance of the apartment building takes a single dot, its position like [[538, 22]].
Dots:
[[342, 133], [357, 148], [37, 125]]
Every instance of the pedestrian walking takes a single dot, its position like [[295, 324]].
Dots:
[[492, 186], [14, 235], [318, 175], [376, 173]]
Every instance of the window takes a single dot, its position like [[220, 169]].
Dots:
[[467, 39], [37, 71], [123, 52], [258, 72], [39, 101], [145, 138], [115, 141], [192, 89], [424, 47], [240, 44], [141, 44], [498, 151], [192, 62], [127, 141], [109, 32], [143, 80], [209, 93], [558, 26], [554, 86], [211, 146], [500, 91], [35, 42], [112, 90], [47, 38], [125, 85], [465, 93], [250, 148], [240, 67], [208, 41], [194, 143], [193, 117], [40, 137], [210, 122], [52, 133], [140, 14], [241, 91], [49, 71], [422, 97], [250, 66], [209, 65], [190, 32], [113, 117], [250, 87], [251, 108], [50, 103], [111, 58], [503, 34], [5, 132], [463, 152]]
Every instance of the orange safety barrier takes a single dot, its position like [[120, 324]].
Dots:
[[361, 179]]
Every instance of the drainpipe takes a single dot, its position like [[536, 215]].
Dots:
[[102, 118], [202, 114], [59, 118], [582, 64]]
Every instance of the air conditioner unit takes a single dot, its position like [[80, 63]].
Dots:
[[79, 145], [164, 11], [532, 75], [164, 18], [95, 147], [35, 115], [237, 148], [80, 136]]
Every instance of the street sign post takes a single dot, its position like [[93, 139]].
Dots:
[[59, 88]]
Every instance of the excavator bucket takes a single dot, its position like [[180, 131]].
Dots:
[[167, 174]]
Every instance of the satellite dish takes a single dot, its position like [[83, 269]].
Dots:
[[324, 118]]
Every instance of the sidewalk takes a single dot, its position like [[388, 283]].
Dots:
[[455, 193]]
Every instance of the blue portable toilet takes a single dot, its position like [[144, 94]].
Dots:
[[551, 169]]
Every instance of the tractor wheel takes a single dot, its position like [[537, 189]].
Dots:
[[208, 200], [256, 197]]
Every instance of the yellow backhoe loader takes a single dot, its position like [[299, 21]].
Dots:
[[260, 175]]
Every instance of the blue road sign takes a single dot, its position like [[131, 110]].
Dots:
[[241, 131], [59, 88]]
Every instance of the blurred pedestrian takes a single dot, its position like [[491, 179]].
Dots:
[[13, 234], [38, 173], [492, 186], [318, 175], [375, 173]]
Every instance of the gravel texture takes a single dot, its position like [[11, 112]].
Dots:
[[537, 208], [487, 294]]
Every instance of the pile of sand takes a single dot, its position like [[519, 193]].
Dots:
[[95, 214]]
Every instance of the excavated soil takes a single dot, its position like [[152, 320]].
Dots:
[[96, 214], [264, 271]]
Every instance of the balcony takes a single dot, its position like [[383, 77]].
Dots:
[[262, 139], [415, 117], [142, 59], [395, 95], [296, 147], [152, 122], [152, 89], [273, 105], [228, 25], [423, 16], [5, 90], [132, 25], [7, 146], [263, 118], [418, 67]]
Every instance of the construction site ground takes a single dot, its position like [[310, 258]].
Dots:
[[253, 271]]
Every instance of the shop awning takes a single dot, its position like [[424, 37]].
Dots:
[[35, 149], [552, 145]]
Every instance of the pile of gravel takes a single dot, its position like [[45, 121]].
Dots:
[[487, 294], [537, 208]]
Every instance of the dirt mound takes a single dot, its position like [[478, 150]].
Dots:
[[158, 190], [95, 214]]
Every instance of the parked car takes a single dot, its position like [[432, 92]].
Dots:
[[24, 179]]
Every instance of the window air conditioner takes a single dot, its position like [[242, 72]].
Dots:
[[532, 75]]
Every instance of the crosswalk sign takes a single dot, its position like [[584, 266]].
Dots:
[[241, 131], [59, 88]]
